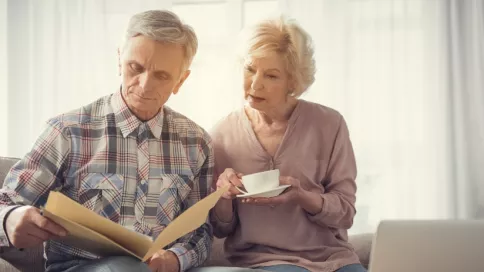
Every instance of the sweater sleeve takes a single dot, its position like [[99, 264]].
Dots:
[[222, 229], [340, 188]]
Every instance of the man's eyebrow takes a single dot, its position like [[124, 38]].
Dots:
[[156, 72], [132, 61]]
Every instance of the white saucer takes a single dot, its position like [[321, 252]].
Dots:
[[269, 193]]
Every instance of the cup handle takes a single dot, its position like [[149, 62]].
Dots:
[[240, 190]]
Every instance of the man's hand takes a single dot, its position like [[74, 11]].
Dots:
[[26, 227], [164, 261]]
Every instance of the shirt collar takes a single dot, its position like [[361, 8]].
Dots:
[[128, 122]]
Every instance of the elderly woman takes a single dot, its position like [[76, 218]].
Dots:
[[304, 228]]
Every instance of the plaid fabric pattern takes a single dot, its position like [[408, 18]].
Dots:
[[141, 175]]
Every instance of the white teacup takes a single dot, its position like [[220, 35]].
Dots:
[[262, 181]]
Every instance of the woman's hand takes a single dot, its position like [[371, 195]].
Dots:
[[311, 202], [290, 195], [233, 179]]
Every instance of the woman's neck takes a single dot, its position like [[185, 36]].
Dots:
[[279, 115]]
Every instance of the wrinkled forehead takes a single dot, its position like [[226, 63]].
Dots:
[[154, 55]]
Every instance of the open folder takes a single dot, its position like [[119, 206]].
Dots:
[[89, 231]]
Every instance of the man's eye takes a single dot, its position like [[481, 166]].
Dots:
[[249, 69], [161, 76], [135, 67]]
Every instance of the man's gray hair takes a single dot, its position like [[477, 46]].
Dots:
[[163, 26]]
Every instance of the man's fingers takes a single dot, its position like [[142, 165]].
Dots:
[[155, 262], [28, 241], [33, 241], [47, 225], [153, 265], [34, 231]]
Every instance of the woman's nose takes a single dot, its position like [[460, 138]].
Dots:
[[256, 83]]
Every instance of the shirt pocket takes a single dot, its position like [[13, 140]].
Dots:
[[167, 198], [102, 193]]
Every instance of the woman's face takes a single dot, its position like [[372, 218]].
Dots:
[[266, 82]]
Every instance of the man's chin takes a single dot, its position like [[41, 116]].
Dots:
[[144, 111]]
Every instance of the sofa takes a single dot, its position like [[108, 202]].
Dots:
[[12, 259]]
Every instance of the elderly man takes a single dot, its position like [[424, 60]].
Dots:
[[126, 156]]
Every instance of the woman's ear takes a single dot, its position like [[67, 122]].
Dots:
[[291, 87]]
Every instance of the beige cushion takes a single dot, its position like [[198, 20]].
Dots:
[[361, 243]]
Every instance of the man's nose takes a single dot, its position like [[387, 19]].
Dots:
[[146, 81]]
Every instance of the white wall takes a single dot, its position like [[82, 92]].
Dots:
[[3, 78]]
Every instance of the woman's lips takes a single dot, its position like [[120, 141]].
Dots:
[[256, 99]]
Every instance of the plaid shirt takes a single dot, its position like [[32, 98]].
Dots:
[[141, 175]]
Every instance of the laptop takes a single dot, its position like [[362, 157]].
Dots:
[[428, 246]]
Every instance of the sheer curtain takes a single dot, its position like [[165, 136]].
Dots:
[[3, 77], [406, 74], [465, 53], [57, 61], [379, 64]]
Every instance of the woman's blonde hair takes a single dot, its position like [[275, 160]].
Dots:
[[285, 37]]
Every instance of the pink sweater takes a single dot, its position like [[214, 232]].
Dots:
[[317, 150]]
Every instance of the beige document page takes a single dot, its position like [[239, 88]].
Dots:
[[101, 236]]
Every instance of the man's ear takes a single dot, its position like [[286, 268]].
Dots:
[[182, 79]]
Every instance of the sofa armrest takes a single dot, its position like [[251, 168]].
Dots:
[[5, 165], [217, 256], [362, 245]]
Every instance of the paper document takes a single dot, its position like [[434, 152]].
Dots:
[[94, 233]]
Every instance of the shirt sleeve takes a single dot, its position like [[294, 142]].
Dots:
[[32, 178], [340, 187], [222, 229], [194, 248]]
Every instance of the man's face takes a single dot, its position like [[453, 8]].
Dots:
[[151, 71]]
